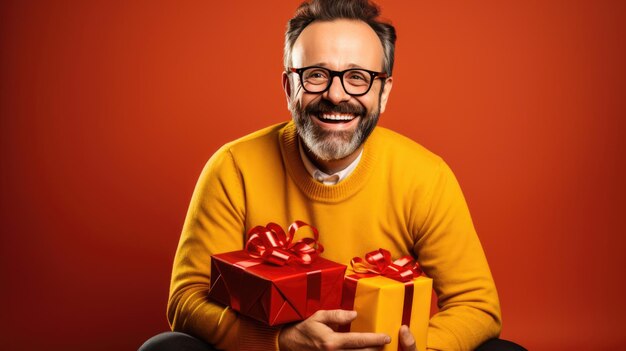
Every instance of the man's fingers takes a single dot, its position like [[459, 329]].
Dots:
[[361, 340], [330, 317], [340, 341], [407, 341]]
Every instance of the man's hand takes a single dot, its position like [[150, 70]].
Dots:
[[316, 333], [407, 341]]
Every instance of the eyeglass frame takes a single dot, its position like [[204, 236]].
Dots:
[[375, 75]]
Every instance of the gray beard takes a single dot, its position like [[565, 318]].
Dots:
[[332, 145]]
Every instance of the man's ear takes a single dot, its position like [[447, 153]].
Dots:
[[384, 97], [287, 87]]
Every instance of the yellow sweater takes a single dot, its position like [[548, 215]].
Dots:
[[400, 197]]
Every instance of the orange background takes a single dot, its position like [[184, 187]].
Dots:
[[109, 110]]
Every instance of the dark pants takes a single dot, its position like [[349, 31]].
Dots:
[[175, 341]]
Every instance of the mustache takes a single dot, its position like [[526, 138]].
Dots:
[[324, 106]]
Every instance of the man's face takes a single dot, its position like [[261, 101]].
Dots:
[[334, 124]]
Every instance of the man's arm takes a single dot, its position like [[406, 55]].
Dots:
[[214, 224], [449, 251]]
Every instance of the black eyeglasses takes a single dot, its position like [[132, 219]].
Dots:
[[355, 81]]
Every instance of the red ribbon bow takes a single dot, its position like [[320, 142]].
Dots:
[[274, 246], [379, 262]]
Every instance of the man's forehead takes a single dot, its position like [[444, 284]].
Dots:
[[339, 44]]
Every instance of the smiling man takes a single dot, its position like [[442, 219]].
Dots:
[[364, 187]]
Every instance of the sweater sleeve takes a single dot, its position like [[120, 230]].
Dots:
[[214, 224], [450, 252]]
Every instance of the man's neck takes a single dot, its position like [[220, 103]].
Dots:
[[332, 166]]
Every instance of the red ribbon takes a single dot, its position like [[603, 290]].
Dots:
[[274, 246], [379, 262]]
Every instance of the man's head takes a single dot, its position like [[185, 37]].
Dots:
[[336, 105]]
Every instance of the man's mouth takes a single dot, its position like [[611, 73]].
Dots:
[[336, 117]]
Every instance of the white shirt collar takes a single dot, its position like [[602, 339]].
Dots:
[[327, 179]]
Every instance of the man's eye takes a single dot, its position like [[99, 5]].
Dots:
[[317, 74], [356, 76]]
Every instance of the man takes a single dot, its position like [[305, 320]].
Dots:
[[362, 186]]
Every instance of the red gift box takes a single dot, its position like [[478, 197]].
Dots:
[[276, 280], [275, 294]]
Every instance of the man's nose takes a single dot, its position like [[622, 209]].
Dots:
[[335, 93]]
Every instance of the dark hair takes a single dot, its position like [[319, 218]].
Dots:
[[329, 10]]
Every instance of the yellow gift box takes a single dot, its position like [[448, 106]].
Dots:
[[384, 304]]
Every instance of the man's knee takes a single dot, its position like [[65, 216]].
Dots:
[[500, 345], [170, 341]]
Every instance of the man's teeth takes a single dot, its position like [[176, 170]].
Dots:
[[338, 117]]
